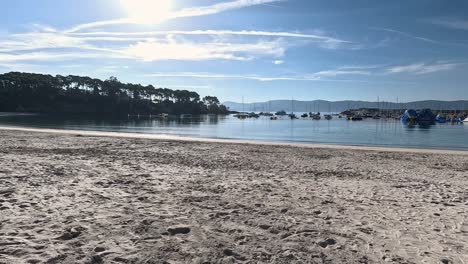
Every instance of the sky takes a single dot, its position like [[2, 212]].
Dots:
[[257, 49]]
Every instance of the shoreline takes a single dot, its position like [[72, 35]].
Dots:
[[90, 133]]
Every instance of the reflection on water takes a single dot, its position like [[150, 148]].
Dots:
[[336, 131]]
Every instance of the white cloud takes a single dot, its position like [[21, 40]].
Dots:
[[32, 41], [189, 51], [129, 35], [53, 56], [452, 23], [46, 43], [233, 76], [187, 12], [406, 34], [360, 67], [317, 76], [422, 68], [334, 73]]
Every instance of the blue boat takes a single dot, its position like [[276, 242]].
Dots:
[[410, 116], [425, 116], [440, 119]]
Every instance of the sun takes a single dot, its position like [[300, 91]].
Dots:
[[147, 11]]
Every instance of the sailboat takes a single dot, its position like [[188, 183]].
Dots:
[[328, 116], [292, 115]]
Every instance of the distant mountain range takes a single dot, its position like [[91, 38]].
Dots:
[[339, 106]]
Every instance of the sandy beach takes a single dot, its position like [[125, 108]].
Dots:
[[74, 197]]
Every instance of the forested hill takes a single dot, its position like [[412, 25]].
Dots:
[[39, 93]]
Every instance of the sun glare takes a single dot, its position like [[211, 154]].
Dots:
[[147, 11]]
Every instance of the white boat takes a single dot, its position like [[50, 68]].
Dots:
[[242, 115], [466, 120]]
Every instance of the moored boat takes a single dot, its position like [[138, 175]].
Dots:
[[292, 116], [410, 116], [328, 117], [316, 117], [185, 116], [281, 113], [355, 118], [440, 118], [425, 116], [241, 115], [253, 115]]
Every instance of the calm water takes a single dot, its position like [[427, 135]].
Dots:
[[337, 131]]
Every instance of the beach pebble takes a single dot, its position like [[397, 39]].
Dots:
[[178, 230], [71, 233], [446, 261], [99, 249], [96, 259], [228, 260], [327, 242]]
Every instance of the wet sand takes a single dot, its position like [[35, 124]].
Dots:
[[74, 197]]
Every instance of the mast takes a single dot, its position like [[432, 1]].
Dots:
[[243, 106], [292, 105]]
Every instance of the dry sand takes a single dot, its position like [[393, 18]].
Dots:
[[68, 198]]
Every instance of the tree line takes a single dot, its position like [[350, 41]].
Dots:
[[39, 93]]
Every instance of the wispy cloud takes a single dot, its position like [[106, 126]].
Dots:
[[422, 68], [232, 76], [187, 12], [451, 23], [411, 36], [129, 35], [47, 43], [317, 76], [56, 56], [278, 62], [173, 50], [334, 73], [143, 46], [361, 67]]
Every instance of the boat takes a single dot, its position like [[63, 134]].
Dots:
[[328, 117], [274, 118], [304, 115], [440, 118], [355, 118], [292, 116], [241, 115], [266, 114], [410, 116], [425, 116], [316, 117], [281, 113], [466, 120], [185, 116], [253, 115]]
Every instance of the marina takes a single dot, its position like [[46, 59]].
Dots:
[[354, 130]]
